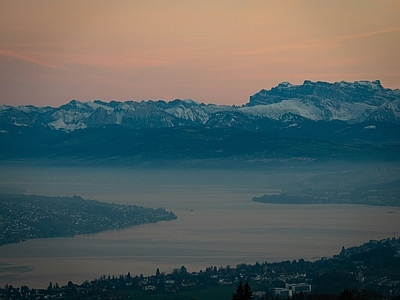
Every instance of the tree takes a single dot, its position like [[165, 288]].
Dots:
[[183, 270], [247, 293], [347, 295], [243, 292], [238, 295]]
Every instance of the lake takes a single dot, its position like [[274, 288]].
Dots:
[[217, 223]]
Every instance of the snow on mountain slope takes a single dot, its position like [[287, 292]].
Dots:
[[395, 106], [187, 111], [325, 110], [275, 111]]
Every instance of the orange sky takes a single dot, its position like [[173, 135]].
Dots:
[[210, 51]]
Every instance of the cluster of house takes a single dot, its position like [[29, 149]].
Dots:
[[290, 289], [298, 283]]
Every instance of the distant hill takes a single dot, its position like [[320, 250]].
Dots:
[[309, 122]]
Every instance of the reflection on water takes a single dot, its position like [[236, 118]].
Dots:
[[217, 224]]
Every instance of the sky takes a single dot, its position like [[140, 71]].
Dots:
[[218, 52]]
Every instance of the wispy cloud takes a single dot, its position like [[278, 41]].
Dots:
[[30, 59], [326, 43], [364, 34]]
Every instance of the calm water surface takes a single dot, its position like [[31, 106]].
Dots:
[[217, 224]]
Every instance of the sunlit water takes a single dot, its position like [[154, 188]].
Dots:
[[217, 224]]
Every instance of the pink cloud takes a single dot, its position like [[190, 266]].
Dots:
[[29, 59]]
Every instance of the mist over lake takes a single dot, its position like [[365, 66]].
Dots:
[[217, 223]]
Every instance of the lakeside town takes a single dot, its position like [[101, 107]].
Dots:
[[25, 217], [371, 271]]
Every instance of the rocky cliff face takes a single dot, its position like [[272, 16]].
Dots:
[[371, 93], [350, 102]]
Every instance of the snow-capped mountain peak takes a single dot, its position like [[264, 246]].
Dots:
[[355, 102]]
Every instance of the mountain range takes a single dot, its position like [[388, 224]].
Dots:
[[312, 121]]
